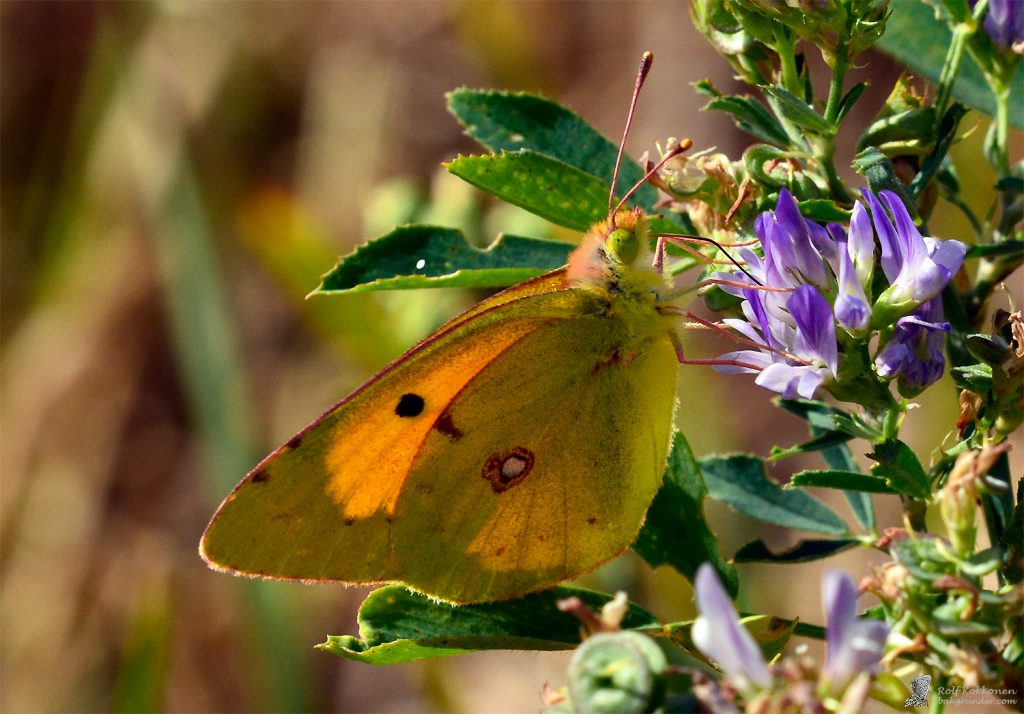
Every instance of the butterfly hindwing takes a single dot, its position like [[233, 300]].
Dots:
[[547, 463]]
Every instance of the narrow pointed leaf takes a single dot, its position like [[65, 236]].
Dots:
[[510, 121], [806, 550], [675, 532], [845, 480], [840, 459], [751, 117], [740, 481], [433, 257], [799, 112], [824, 440], [397, 625]]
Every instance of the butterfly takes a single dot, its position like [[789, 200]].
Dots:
[[516, 447]]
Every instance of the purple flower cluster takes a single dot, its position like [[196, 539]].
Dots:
[[854, 646], [815, 279]]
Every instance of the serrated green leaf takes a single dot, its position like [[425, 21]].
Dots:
[[914, 36], [900, 468], [433, 257], [740, 481], [510, 121], [751, 117], [804, 551], [547, 187], [397, 625], [799, 112], [675, 532], [844, 480]]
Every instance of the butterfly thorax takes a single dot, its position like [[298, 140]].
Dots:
[[614, 261]]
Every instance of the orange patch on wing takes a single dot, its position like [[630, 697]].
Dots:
[[370, 459]]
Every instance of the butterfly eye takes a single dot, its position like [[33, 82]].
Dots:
[[622, 246]]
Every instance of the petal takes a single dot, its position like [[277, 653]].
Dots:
[[839, 599], [814, 321], [782, 378], [891, 244], [905, 227], [947, 253], [719, 634], [861, 243]]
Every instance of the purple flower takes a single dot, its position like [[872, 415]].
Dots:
[[918, 268], [914, 351], [717, 632], [1004, 22], [808, 336], [853, 646]]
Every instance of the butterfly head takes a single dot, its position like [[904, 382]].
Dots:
[[611, 249]]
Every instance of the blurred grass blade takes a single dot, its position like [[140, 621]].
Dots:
[[209, 361]]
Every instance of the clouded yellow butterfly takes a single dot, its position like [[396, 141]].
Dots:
[[518, 446]]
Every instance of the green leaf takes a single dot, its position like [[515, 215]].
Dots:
[[397, 625], [510, 121], [878, 170], [934, 161], [800, 112], [840, 458], [1010, 247], [544, 186], [845, 480], [675, 532], [804, 551], [446, 259], [828, 418], [751, 117], [824, 440], [823, 210], [975, 377], [849, 100], [915, 37], [740, 481], [900, 468]]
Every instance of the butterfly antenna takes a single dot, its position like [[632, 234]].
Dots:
[[641, 74], [718, 245], [673, 152]]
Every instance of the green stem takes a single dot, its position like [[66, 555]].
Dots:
[[835, 87], [826, 147], [785, 48], [951, 67], [1002, 132]]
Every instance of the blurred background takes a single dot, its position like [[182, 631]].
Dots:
[[175, 178]]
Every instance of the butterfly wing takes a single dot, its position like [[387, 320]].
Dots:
[[347, 468], [513, 448]]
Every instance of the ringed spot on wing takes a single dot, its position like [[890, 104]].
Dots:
[[504, 469], [409, 405]]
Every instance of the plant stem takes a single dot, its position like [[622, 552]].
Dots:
[[951, 67], [785, 48]]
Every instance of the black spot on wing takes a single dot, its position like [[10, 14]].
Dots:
[[409, 405], [260, 476]]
